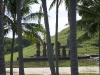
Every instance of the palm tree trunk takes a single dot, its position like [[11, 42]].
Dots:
[[49, 46], [11, 58], [73, 44], [99, 48], [56, 39], [21, 65], [39, 18], [2, 62]]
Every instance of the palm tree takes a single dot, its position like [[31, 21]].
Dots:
[[2, 62], [72, 42], [49, 46], [21, 65], [11, 24], [56, 39], [89, 10], [67, 5]]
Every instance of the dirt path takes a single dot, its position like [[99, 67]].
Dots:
[[62, 70]]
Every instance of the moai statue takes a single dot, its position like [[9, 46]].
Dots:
[[44, 49], [58, 49], [63, 51], [38, 49]]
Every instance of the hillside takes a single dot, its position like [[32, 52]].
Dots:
[[63, 35], [62, 38]]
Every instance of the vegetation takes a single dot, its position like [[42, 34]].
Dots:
[[13, 21], [7, 44], [86, 49], [89, 22], [61, 63]]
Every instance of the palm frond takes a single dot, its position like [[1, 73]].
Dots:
[[84, 23], [33, 16], [10, 24], [6, 31], [88, 25], [34, 27], [94, 28], [52, 4], [12, 6], [87, 13], [66, 4], [26, 3], [84, 37], [29, 27], [8, 20], [32, 37], [25, 11], [60, 2]]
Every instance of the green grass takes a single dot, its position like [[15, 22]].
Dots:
[[62, 37], [62, 63], [28, 51]]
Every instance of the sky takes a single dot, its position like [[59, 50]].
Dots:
[[62, 18]]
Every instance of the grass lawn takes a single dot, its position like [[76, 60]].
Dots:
[[62, 63]]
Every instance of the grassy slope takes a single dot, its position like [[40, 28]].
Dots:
[[28, 51], [62, 36]]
